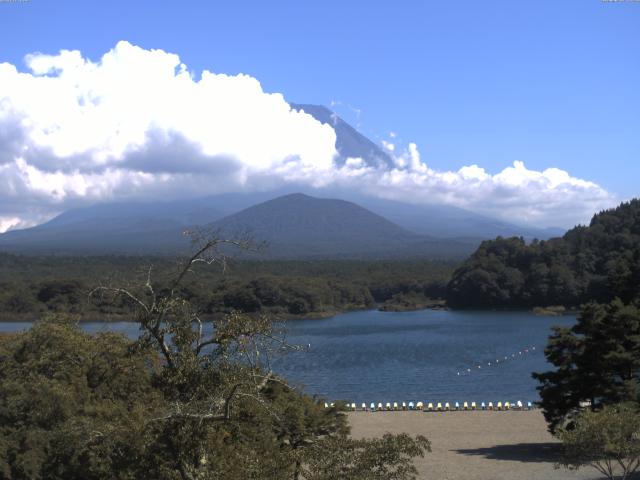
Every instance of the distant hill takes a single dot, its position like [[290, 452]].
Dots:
[[444, 221], [301, 226], [125, 227], [598, 262], [293, 226]]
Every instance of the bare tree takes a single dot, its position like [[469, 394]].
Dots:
[[209, 364]]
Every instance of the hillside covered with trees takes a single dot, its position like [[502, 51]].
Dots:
[[33, 286], [598, 262]]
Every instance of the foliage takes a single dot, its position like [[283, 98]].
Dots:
[[597, 360], [32, 286], [607, 440], [192, 398], [386, 458], [595, 263], [71, 405], [402, 302]]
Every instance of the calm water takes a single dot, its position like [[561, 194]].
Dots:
[[386, 356]]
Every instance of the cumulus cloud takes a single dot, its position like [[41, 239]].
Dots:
[[137, 124], [548, 198]]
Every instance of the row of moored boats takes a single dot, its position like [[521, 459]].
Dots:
[[437, 407]]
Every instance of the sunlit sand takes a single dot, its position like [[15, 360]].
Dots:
[[475, 445]]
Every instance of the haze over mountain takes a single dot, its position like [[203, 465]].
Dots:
[[293, 226], [298, 225], [444, 221]]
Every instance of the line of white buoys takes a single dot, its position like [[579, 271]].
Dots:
[[497, 362], [439, 406]]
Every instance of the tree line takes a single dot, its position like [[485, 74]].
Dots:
[[33, 286], [598, 263]]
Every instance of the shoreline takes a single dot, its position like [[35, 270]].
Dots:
[[116, 318]]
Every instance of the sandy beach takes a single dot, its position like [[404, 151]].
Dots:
[[479, 445]]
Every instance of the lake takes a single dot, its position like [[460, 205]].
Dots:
[[428, 355]]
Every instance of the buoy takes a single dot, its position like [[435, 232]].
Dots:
[[473, 406], [420, 405], [430, 407], [465, 406], [411, 406]]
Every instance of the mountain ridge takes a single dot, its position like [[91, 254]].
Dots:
[[292, 226]]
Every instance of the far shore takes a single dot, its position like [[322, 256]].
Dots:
[[280, 317], [478, 445]]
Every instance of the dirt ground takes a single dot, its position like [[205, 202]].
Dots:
[[513, 445]]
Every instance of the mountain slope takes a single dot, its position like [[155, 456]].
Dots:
[[444, 221], [301, 226], [349, 142], [293, 226], [130, 227]]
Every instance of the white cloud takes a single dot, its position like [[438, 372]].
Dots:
[[548, 198], [7, 223], [138, 124], [388, 145]]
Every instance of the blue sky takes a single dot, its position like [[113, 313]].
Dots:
[[553, 84]]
